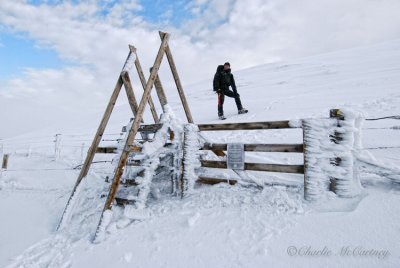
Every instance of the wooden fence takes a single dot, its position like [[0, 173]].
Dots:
[[220, 148]]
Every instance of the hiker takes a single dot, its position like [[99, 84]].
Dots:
[[222, 80]]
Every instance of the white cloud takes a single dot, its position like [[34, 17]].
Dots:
[[244, 32]]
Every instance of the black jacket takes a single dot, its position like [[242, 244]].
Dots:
[[223, 79]]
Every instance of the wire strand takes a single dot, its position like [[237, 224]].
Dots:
[[386, 117]]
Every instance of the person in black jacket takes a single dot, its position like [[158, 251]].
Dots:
[[223, 79]]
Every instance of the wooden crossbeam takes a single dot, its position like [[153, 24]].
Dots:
[[245, 126], [231, 126], [287, 148], [299, 169]]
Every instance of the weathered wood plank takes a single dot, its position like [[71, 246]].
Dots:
[[106, 150], [129, 92], [218, 152], [123, 201], [230, 126], [289, 148], [245, 126], [299, 169], [113, 150], [152, 128], [130, 182], [177, 80], [212, 181], [160, 92]]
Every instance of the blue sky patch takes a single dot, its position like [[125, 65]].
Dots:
[[18, 52], [165, 11]]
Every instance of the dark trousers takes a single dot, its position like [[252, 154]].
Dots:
[[221, 98]]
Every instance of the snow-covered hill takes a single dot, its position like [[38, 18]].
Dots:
[[221, 226]]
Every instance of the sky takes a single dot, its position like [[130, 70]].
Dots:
[[62, 57]]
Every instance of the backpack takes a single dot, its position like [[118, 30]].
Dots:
[[220, 68]]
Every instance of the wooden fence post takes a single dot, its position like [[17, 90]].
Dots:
[[5, 162], [344, 182], [336, 138], [57, 146]]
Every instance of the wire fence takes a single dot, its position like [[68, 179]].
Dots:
[[75, 145], [56, 145]]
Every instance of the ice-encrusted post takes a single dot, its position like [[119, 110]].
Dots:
[[315, 139], [336, 138], [344, 180], [329, 148], [191, 146]]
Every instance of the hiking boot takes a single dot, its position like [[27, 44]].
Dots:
[[221, 117], [243, 111]]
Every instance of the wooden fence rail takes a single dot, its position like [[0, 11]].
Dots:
[[229, 126], [287, 148], [212, 181], [245, 126], [299, 169]]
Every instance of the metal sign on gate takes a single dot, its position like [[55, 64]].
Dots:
[[235, 157]]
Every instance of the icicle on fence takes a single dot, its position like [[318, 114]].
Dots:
[[330, 147]]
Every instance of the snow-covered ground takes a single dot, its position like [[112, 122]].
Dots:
[[221, 225]]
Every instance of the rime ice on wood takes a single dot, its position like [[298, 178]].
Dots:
[[330, 146], [191, 155], [316, 157], [130, 62], [348, 182]]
